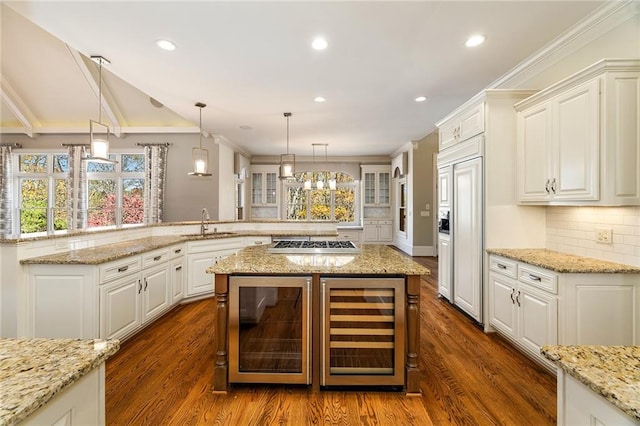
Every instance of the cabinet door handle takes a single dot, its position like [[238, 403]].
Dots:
[[513, 291], [139, 287], [145, 284], [518, 298], [177, 251], [123, 268], [553, 185], [534, 278], [179, 268], [155, 259], [546, 187], [501, 266]]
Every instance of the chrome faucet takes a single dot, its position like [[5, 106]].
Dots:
[[203, 227]]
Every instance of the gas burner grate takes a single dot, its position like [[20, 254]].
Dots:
[[313, 247]]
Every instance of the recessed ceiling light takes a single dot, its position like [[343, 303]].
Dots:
[[319, 43], [475, 40], [166, 45], [421, 98], [245, 127], [319, 99]]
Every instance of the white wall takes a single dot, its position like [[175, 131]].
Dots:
[[226, 183]]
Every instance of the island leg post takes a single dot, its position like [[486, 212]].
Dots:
[[221, 371], [413, 334]]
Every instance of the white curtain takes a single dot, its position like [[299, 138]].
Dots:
[[156, 170], [6, 191]]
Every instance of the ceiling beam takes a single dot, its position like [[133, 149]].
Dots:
[[18, 107], [123, 130], [107, 102]]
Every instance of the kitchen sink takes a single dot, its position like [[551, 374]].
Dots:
[[211, 235]]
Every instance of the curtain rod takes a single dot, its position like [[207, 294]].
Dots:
[[154, 144], [11, 144]]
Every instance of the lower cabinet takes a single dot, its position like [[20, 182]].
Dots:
[[377, 231], [533, 306], [201, 256], [444, 265]]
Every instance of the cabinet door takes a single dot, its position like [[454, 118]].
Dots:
[[385, 231], [271, 188], [256, 188], [534, 154], [471, 122], [369, 188], [177, 280], [576, 136], [503, 312], [383, 188], [467, 236], [370, 232], [444, 266], [448, 134], [444, 187], [120, 307], [155, 291], [537, 319], [199, 281]]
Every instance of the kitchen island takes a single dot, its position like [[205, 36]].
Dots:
[[360, 281]]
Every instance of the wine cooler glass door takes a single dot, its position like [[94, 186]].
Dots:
[[269, 329], [363, 331]]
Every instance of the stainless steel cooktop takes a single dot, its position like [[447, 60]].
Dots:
[[313, 247]]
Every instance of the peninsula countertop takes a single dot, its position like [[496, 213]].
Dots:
[[564, 262], [33, 371], [610, 371], [374, 259]]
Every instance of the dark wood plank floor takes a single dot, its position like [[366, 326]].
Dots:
[[164, 374]]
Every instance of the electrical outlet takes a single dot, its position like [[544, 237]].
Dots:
[[604, 235]]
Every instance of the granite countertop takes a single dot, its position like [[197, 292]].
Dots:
[[110, 252], [372, 259], [610, 371], [33, 371], [563, 262]]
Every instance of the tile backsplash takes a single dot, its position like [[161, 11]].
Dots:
[[573, 230]]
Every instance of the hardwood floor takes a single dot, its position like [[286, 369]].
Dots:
[[164, 375]]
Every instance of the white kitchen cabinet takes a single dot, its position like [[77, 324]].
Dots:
[[353, 235], [201, 255], [377, 231], [264, 185], [533, 306], [577, 140], [523, 314], [156, 288], [579, 405], [444, 266], [444, 187], [120, 306], [376, 185], [464, 125], [178, 272]]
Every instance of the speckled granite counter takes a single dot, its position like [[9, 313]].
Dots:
[[610, 371], [33, 371], [372, 259], [110, 252], [563, 262]]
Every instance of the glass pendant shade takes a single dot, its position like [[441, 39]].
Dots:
[[320, 184], [199, 155], [98, 146], [287, 165], [307, 185], [332, 184]]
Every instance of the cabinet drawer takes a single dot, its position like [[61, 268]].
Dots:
[[538, 277], [503, 266], [112, 270], [176, 251], [349, 236], [155, 257]]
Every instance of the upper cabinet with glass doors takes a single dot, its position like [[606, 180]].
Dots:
[[376, 185], [264, 185]]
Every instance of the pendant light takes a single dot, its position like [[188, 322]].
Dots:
[[332, 180], [320, 183], [99, 147], [287, 161], [307, 183], [200, 156]]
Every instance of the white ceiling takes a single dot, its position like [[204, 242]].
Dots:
[[252, 61]]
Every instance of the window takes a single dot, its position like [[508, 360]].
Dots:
[[116, 191], [42, 192], [322, 204]]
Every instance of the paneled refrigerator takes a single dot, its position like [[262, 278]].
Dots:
[[460, 274]]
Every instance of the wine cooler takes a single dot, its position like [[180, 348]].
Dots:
[[363, 337], [269, 321]]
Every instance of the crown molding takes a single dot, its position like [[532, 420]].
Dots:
[[608, 16]]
